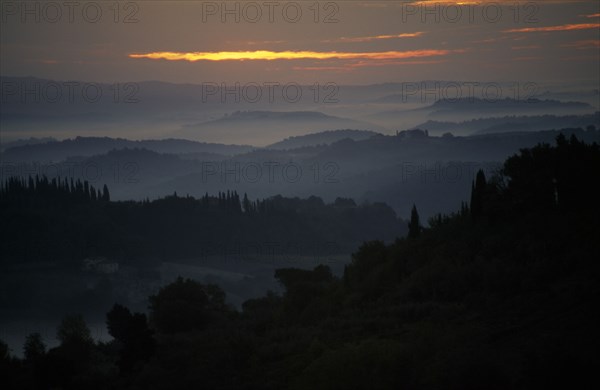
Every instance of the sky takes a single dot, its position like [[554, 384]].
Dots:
[[346, 42]]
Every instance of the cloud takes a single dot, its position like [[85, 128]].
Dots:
[[262, 55], [254, 43], [585, 44], [364, 64], [376, 37], [528, 47], [491, 40], [530, 58], [564, 27], [374, 4]]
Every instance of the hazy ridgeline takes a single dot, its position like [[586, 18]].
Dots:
[[500, 294], [305, 262], [398, 170], [36, 107]]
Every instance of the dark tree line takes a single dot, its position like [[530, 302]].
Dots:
[[544, 180], [43, 190], [504, 297], [63, 221]]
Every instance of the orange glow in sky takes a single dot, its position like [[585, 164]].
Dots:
[[564, 27], [377, 37], [284, 55]]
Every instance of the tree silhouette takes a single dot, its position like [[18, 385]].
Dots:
[[4, 352], [73, 356], [133, 334], [34, 352], [478, 189], [185, 305], [34, 348], [247, 205], [414, 226], [105, 194], [74, 330]]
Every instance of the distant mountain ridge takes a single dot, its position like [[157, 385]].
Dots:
[[470, 103], [512, 123], [27, 141], [398, 170], [467, 109], [89, 146], [260, 127], [322, 138]]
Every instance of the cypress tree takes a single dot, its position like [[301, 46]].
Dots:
[[105, 194], [414, 226], [478, 189], [247, 204]]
